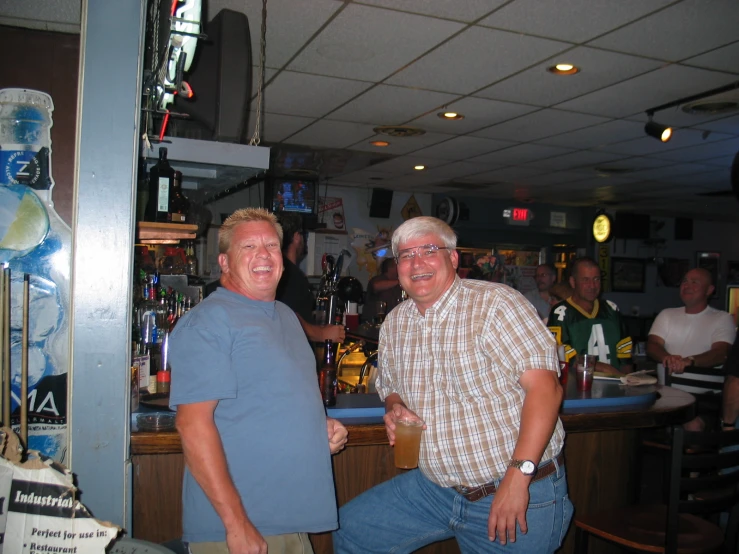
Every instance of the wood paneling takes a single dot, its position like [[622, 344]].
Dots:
[[157, 498]]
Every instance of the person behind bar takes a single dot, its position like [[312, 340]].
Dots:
[[384, 287], [294, 288], [540, 297], [694, 335], [473, 360], [255, 436], [585, 325]]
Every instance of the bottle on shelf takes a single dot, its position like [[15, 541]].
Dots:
[[161, 183], [178, 204], [327, 377]]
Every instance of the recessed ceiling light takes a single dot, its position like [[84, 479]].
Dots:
[[450, 115], [563, 69], [380, 143], [419, 167]]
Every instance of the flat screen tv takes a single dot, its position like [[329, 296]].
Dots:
[[293, 195]]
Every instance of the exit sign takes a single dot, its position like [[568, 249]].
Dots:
[[518, 216]]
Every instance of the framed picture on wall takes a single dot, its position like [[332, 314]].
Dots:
[[628, 274], [710, 261]]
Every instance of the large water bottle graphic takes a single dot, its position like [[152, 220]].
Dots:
[[34, 240]]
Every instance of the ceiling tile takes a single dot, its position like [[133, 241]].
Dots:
[[721, 59], [651, 90], [521, 154], [464, 64], [461, 148], [276, 128], [369, 43], [403, 165], [467, 11], [389, 105], [570, 20], [539, 124], [332, 134], [617, 130], [598, 69], [292, 93], [478, 113], [504, 175], [400, 146], [586, 159], [678, 31]]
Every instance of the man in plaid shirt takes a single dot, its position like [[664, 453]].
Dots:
[[472, 360]]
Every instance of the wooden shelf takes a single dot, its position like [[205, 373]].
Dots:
[[164, 233]]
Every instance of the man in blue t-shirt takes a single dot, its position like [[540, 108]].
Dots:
[[255, 436]]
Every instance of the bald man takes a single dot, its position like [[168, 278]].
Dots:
[[696, 335]]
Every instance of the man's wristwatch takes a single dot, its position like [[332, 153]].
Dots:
[[527, 467]]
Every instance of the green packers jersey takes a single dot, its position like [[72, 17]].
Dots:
[[601, 333]]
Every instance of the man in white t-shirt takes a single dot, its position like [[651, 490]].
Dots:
[[696, 335]]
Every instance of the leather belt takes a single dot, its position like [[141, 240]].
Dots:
[[476, 493]]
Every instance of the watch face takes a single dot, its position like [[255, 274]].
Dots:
[[528, 467], [602, 228]]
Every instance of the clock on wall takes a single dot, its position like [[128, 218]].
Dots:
[[602, 227], [448, 210]]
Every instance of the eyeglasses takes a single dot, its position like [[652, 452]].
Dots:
[[424, 251]]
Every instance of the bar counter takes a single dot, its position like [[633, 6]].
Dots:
[[600, 451]]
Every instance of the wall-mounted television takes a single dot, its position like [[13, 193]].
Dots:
[[292, 195]]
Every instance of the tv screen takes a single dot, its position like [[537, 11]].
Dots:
[[291, 195]]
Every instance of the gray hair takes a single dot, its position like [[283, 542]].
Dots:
[[422, 226]]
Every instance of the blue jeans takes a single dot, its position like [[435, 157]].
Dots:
[[409, 512]]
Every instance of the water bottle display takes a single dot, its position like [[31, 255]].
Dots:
[[34, 240]]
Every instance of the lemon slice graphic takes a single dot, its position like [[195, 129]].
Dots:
[[27, 226]]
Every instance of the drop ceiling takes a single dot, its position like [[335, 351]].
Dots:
[[335, 70]]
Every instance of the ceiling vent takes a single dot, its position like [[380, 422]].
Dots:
[[399, 131], [723, 103]]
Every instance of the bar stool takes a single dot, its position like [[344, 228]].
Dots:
[[673, 527]]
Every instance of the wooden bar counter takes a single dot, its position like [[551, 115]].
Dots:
[[600, 451]]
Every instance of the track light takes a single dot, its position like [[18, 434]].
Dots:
[[658, 131]]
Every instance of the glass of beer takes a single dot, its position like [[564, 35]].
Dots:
[[585, 370], [407, 442]]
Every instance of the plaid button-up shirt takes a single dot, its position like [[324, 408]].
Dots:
[[458, 367]]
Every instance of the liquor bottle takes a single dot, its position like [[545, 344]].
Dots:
[[327, 378], [161, 182], [35, 240], [178, 204]]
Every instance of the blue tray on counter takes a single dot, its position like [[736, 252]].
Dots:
[[608, 395], [357, 409]]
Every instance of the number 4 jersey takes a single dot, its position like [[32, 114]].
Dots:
[[601, 333]]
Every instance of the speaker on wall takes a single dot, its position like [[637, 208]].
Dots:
[[683, 228], [381, 202]]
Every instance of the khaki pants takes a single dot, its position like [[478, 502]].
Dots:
[[293, 543]]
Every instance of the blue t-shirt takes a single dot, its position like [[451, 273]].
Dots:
[[254, 359]]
